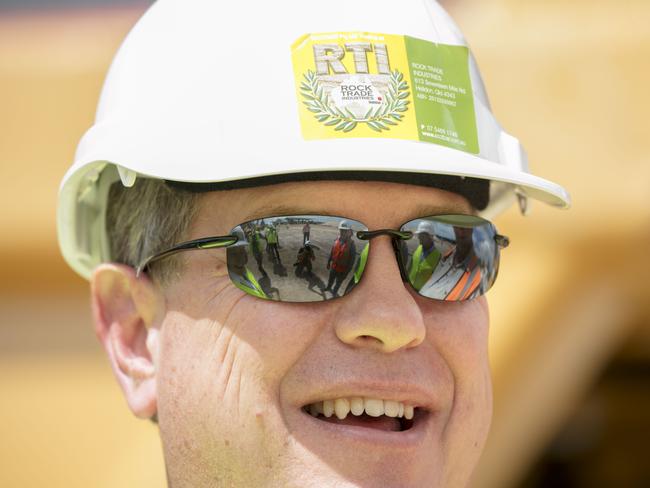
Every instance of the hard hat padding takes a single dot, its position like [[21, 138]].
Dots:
[[475, 190]]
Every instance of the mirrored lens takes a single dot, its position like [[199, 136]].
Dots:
[[450, 257], [297, 258]]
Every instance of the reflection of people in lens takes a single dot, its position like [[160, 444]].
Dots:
[[467, 270], [485, 249], [272, 243], [305, 232], [304, 260], [425, 258], [464, 245], [241, 276], [358, 269], [256, 246], [341, 258]]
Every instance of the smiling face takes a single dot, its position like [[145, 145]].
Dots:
[[237, 376]]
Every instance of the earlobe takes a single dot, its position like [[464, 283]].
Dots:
[[127, 311]]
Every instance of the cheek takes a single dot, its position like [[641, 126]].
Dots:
[[222, 363], [273, 334], [277, 333], [459, 332], [229, 353]]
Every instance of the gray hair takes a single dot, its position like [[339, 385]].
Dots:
[[146, 219]]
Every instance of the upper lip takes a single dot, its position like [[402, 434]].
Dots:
[[405, 392]]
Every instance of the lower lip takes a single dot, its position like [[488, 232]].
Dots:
[[406, 439]]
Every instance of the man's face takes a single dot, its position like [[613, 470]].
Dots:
[[463, 243], [425, 239], [235, 371]]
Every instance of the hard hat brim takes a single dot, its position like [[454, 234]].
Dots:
[[138, 153]]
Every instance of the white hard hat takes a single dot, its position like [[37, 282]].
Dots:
[[344, 225], [197, 95], [425, 227]]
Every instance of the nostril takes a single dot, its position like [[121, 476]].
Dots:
[[368, 339]]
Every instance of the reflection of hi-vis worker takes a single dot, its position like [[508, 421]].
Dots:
[[241, 276], [256, 246], [271, 235], [457, 277], [341, 258], [361, 264], [272, 242], [425, 258], [469, 279], [343, 251], [466, 265], [358, 270], [255, 241]]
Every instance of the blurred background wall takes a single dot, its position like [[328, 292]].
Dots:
[[570, 339]]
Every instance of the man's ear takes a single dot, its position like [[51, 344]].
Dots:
[[128, 311]]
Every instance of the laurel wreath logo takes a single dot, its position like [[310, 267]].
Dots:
[[379, 118]]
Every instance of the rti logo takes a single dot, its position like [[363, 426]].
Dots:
[[328, 58], [352, 84]]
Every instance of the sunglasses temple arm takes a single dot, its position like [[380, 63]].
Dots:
[[502, 241], [203, 243]]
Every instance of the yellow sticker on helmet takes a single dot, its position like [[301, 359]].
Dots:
[[360, 84]]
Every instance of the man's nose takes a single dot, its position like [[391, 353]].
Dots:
[[380, 312]]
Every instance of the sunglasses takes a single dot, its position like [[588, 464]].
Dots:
[[311, 258]]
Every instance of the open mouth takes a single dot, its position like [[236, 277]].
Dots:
[[371, 413]]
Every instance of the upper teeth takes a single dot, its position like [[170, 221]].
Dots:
[[358, 405]]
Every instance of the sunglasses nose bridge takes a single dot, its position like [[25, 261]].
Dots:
[[395, 237], [366, 235]]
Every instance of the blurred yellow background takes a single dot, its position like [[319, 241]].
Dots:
[[570, 339]]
